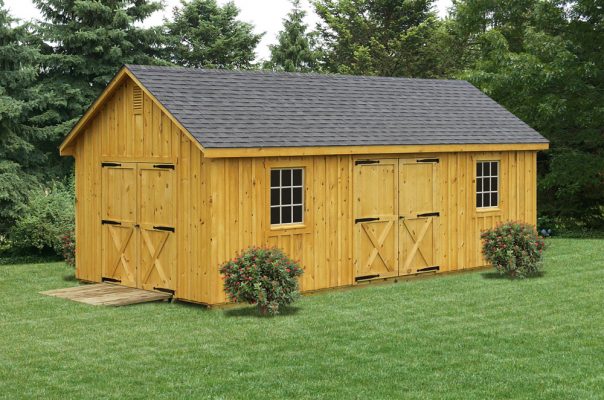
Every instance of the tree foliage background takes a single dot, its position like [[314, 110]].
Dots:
[[541, 59]]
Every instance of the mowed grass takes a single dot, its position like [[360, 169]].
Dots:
[[461, 336]]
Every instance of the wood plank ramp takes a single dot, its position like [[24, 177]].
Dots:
[[104, 294]]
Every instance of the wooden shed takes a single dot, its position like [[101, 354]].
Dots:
[[360, 178]]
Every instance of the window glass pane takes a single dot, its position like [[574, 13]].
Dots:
[[297, 214], [486, 169], [494, 200], [275, 178], [478, 200], [494, 168], [479, 169], [478, 185], [487, 184], [297, 177], [274, 197], [286, 215], [298, 195], [275, 213], [486, 200], [286, 177], [286, 190], [494, 184], [286, 196]]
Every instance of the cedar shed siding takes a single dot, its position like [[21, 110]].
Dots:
[[221, 205]]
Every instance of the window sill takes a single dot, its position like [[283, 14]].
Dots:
[[292, 229], [489, 210]]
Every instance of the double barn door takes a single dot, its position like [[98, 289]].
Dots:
[[138, 225], [396, 217]]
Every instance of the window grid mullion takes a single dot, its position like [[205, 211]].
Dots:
[[280, 206], [491, 181]]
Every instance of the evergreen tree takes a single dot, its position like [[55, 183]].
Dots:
[[20, 161], [84, 44], [381, 37], [205, 34], [295, 49]]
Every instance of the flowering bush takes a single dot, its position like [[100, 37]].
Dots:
[[513, 248], [262, 276], [68, 244]]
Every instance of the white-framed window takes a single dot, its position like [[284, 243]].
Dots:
[[487, 184], [287, 196]]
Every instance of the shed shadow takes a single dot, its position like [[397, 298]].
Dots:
[[252, 312], [497, 275], [69, 277]]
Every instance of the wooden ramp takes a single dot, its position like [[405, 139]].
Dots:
[[104, 294]]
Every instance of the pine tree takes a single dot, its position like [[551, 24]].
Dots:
[[204, 34], [295, 49], [84, 44], [21, 162]]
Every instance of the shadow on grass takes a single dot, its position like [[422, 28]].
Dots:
[[69, 277], [252, 312], [497, 275]]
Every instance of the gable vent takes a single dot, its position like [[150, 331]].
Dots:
[[137, 100]]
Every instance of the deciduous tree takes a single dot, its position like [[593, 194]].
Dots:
[[381, 37]]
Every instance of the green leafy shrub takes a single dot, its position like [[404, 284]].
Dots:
[[262, 276], [513, 248], [43, 221]]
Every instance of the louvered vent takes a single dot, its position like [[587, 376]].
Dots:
[[137, 100]]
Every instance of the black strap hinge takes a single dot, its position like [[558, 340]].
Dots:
[[430, 214], [365, 277], [428, 269], [109, 222], [356, 221], [110, 164], [364, 162], [159, 289], [164, 166], [428, 160], [164, 228]]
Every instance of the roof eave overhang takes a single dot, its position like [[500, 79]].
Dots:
[[368, 150]]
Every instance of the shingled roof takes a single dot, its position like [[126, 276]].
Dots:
[[235, 109]]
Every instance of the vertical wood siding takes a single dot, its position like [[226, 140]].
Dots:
[[222, 204]]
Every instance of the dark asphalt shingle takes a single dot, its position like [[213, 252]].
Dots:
[[231, 109]]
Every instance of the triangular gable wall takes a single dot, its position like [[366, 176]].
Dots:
[[133, 122]]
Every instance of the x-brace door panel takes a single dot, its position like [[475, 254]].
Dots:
[[118, 219], [157, 258], [419, 215], [376, 216], [157, 218]]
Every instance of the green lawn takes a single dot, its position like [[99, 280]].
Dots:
[[461, 336]]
